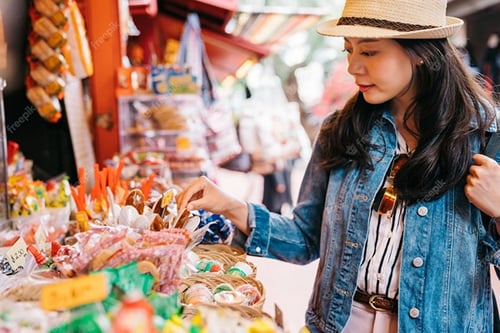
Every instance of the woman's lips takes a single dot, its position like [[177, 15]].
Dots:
[[365, 87]]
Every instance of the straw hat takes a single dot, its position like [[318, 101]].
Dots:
[[411, 19]]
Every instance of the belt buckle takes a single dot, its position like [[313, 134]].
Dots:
[[371, 302]]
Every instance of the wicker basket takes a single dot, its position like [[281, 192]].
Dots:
[[246, 312], [220, 248], [212, 280], [226, 259]]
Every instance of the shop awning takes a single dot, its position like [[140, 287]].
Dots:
[[236, 36]]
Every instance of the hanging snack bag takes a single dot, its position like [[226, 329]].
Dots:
[[45, 28], [50, 59], [52, 11], [48, 107], [53, 84]]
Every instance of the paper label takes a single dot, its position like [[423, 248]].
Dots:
[[74, 292], [167, 198], [40, 239], [16, 255]]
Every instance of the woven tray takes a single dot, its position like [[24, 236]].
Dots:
[[246, 312], [220, 248], [212, 280]]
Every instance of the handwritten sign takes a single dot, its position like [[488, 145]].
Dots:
[[74, 292], [16, 255]]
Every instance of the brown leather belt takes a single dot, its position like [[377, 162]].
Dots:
[[376, 302]]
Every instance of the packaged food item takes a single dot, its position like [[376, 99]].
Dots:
[[251, 293], [50, 59], [52, 83], [135, 315], [45, 28], [240, 269], [50, 9], [198, 293], [159, 79], [48, 107]]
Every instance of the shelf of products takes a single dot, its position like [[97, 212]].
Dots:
[[169, 124]]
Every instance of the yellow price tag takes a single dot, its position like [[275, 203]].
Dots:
[[167, 198], [74, 292], [182, 143]]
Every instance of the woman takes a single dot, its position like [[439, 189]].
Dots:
[[391, 199]]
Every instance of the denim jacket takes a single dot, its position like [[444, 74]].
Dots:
[[445, 271]]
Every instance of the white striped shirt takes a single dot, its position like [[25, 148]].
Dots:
[[379, 271]]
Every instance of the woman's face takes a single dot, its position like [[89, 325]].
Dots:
[[382, 69]]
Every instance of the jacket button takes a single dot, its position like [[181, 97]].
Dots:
[[418, 262], [363, 197], [422, 211], [257, 249], [414, 313]]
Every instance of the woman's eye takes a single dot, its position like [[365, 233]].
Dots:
[[347, 50], [369, 53]]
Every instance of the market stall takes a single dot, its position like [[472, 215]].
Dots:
[[111, 252]]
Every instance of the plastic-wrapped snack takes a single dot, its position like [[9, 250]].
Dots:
[[58, 193], [24, 317], [251, 293]]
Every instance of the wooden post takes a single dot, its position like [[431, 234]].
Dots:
[[103, 27]]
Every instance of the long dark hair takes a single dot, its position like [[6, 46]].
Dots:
[[449, 100]]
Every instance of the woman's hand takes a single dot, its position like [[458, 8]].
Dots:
[[202, 193], [482, 186]]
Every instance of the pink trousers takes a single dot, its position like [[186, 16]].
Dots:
[[364, 319]]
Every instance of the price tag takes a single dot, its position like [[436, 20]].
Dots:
[[16, 255], [182, 143], [167, 198], [40, 239], [74, 292]]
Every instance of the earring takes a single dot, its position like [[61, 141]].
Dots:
[[421, 62]]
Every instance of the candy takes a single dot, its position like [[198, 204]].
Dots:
[[209, 266], [241, 269], [223, 287], [251, 293], [198, 293], [231, 297]]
